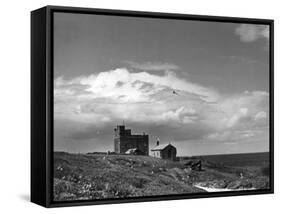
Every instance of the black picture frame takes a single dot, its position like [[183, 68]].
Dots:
[[42, 85]]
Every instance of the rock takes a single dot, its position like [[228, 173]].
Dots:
[[188, 163], [220, 184], [234, 185], [197, 166], [246, 184], [240, 184], [194, 165]]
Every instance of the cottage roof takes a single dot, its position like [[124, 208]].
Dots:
[[161, 147]]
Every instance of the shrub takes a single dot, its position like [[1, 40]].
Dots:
[[265, 171]]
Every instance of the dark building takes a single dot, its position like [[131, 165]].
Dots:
[[164, 151], [125, 142]]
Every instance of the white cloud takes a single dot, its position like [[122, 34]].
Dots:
[[138, 97], [182, 114], [237, 114], [237, 136], [144, 98], [261, 115], [242, 113], [251, 32], [124, 86]]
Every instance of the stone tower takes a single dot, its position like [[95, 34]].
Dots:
[[125, 140]]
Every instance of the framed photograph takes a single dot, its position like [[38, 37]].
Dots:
[[141, 106]]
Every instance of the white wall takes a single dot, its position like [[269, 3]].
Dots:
[[15, 99]]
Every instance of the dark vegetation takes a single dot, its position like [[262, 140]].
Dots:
[[236, 171], [98, 176]]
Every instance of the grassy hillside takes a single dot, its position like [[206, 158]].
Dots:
[[97, 176], [111, 176]]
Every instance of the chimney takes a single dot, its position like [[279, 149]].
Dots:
[[157, 142]]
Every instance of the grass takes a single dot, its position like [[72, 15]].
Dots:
[[99, 176]]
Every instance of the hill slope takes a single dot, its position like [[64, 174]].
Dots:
[[80, 177], [98, 176]]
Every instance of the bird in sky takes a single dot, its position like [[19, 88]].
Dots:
[[174, 92]]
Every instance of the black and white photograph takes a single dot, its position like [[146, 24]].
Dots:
[[147, 107]]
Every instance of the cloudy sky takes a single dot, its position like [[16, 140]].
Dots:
[[203, 86]]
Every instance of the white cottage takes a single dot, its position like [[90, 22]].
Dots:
[[164, 151]]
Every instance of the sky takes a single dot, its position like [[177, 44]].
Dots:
[[202, 86]]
